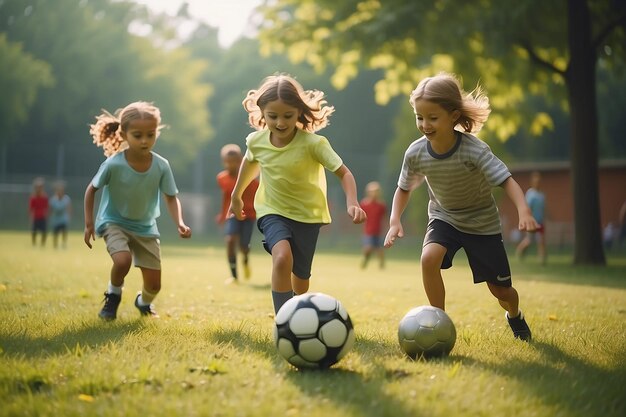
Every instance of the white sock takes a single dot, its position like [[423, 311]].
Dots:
[[145, 298], [112, 289]]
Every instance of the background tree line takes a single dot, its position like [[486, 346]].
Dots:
[[62, 61]]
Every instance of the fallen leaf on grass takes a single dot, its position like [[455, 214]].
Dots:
[[86, 398], [552, 317]]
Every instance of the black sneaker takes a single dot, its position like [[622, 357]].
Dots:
[[111, 303], [145, 310], [520, 328]]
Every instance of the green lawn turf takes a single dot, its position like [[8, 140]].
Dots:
[[211, 353]]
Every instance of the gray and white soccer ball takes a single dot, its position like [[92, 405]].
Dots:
[[426, 331], [313, 330]]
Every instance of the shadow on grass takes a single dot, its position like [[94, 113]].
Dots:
[[569, 383], [87, 335], [361, 394], [261, 287]]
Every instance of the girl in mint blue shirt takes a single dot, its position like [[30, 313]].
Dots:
[[133, 179]]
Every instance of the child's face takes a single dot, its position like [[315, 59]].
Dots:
[[281, 119], [141, 136], [231, 163], [433, 120], [373, 193]]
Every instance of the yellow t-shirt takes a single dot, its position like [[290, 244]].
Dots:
[[293, 181]]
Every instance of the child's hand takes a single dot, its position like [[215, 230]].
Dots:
[[357, 213], [90, 235], [236, 207], [527, 223], [184, 231], [395, 231], [219, 219]]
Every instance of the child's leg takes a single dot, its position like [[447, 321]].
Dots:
[[231, 253], [299, 285], [282, 264], [121, 265], [367, 252], [381, 258], [541, 247], [432, 257], [507, 297], [523, 245], [151, 285]]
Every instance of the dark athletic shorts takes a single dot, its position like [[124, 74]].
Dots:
[[40, 225], [485, 253], [301, 236], [241, 228]]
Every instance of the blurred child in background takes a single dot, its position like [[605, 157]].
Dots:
[[536, 200], [60, 212], [375, 209], [38, 209], [238, 232]]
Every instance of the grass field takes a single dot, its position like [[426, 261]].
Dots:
[[211, 353]]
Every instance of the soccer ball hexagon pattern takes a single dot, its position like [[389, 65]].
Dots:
[[426, 331], [313, 330]]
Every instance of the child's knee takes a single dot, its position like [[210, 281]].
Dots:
[[122, 259], [431, 259]]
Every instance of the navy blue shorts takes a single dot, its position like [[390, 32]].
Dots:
[[485, 253], [301, 236], [40, 225], [372, 240], [241, 228]]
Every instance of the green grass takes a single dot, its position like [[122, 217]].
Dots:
[[211, 352]]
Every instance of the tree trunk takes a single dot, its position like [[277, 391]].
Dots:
[[581, 83]]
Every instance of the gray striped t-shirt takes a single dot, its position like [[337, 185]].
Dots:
[[459, 182]]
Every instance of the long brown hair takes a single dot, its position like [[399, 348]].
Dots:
[[445, 89], [314, 112], [106, 132]]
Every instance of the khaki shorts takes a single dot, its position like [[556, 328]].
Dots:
[[146, 251]]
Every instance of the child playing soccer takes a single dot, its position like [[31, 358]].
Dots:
[[238, 232], [375, 210], [291, 202], [133, 179], [38, 209], [459, 170]]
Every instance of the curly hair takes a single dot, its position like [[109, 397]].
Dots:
[[106, 132], [314, 112], [445, 89]]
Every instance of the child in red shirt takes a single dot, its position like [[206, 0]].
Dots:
[[38, 208], [236, 231], [375, 210]]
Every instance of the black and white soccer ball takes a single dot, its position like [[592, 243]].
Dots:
[[313, 330], [427, 332]]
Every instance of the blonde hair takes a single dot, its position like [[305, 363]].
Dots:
[[445, 89], [372, 186], [230, 149], [314, 113], [106, 132]]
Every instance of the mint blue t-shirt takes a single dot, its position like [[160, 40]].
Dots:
[[131, 199], [536, 200]]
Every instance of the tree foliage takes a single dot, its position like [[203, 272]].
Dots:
[[97, 63], [517, 50], [22, 76]]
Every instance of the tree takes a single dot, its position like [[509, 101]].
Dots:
[[98, 63], [517, 50], [21, 78]]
